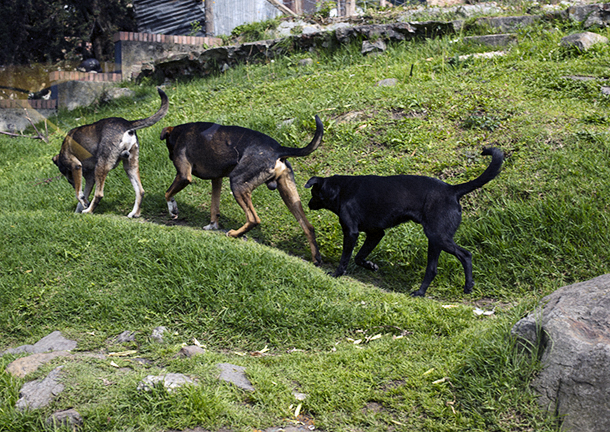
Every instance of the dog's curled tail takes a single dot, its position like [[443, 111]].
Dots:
[[497, 157], [149, 121], [314, 144]]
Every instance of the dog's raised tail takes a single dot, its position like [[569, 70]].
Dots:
[[314, 144], [149, 121], [497, 157]]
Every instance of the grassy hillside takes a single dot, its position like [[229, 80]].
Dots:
[[541, 224]]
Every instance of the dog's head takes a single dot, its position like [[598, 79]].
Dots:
[[165, 133], [67, 172], [323, 196]]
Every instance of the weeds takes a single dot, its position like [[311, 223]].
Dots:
[[541, 224]]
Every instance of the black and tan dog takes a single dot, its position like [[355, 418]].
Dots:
[[249, 158], [91, 151], [372, 204]]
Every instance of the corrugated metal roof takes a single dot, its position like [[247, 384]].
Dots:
[[171, 17]]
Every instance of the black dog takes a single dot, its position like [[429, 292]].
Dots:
[[372, 204], [249, 158]]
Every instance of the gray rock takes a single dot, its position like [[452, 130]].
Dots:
[[235, 375], [492, 40], [157, 334], [69, 417], [171, 381], [52, 342], [126, 336], [574, 339], [509, 24], [113, 93], [373, 47], [191, 351], [388, 82], [605, 91], [590, 15], [25, 365], [305, 62], [583, 41], [37, 394]]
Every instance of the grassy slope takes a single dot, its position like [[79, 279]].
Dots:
[[541, 224]]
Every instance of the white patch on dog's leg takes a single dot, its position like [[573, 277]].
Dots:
[[173, 208], [211, 226]]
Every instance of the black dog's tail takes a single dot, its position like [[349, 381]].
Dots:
[[497, 157], [314, 144], [141, 124]]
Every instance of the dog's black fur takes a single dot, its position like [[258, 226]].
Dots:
[[372, 204], [249, 158]]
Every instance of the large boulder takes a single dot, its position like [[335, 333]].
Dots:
[[572, 331]]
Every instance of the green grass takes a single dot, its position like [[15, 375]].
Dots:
[[541, 224]]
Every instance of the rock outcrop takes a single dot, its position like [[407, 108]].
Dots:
[[572, 331]]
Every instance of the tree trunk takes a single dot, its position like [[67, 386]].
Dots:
[[209, 18]]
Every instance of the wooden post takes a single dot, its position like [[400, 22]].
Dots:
[[341, 7], [209, 17], [350, 8]]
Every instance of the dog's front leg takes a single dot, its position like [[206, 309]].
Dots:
[[180, 182], [350, 237], [83, 203], [434, 251], [85, 196], [215, 205], [372, 240], [100, 179]]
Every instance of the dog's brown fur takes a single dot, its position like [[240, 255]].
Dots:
[[249, 158], [91, 151]]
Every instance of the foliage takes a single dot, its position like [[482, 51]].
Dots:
[[43, 31], [255, 31]]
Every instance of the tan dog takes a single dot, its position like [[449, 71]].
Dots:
[[92, 151], [249, 158]]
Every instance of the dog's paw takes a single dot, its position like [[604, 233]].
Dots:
[[338, 273], [418, 293], [369, 265], [468, 289], [133, 214], [212, 226], [232, 233]]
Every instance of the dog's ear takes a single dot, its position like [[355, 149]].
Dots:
[[165, 132], [312, 181]]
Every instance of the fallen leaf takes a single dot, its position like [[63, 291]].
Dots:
[[298, 410], [114, 364], [122, 353], [438, 381], [429, 371]]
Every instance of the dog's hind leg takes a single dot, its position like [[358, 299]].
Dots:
[[290, 196], [372, 240], [243, 197], [131, 169], [215, 204], [465, 258]]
